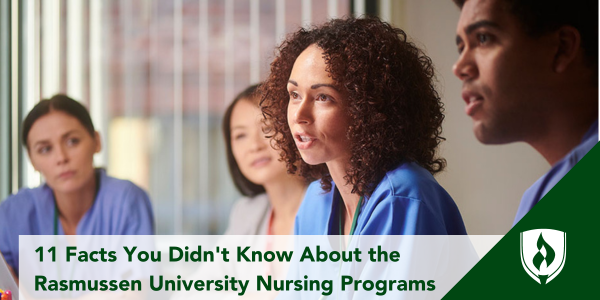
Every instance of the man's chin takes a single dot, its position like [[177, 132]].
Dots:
[[488, 135]]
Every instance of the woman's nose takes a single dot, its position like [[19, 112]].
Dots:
[[61, 155], [258, 141], [303, 112]]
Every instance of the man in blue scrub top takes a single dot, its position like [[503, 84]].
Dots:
[[530, 74]]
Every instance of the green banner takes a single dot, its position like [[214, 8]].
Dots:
[[552, 253]]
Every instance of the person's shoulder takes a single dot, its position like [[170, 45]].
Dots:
[[247, 215], [545, 183], [21, 212], [120, 194], [25, 199], [562, 167], [116, 184], [250, 205], [120, 189], [316, 196], [125, 204], [590, 140], [315, 210], [315, 189], [408, 180], [415, 202]]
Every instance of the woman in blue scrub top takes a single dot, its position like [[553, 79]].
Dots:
[[353, 103], [76, 198]]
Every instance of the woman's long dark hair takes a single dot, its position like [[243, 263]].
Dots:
[[61, 103], [243, 184]]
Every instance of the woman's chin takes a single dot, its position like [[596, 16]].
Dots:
[[312, 161], [72, 185], [261, 178], [66, 187]]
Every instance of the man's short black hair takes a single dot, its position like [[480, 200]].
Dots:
[[542, 16]]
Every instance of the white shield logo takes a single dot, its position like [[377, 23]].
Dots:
[[543, 253]]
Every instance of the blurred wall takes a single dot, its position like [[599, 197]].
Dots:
[[486, 182]]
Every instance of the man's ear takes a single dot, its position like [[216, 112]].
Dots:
[[569, 47], [98, 142]]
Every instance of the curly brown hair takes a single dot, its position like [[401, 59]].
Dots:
[[396, 114]]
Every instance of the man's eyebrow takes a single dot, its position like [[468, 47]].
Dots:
[[475, 26], [479, 24]]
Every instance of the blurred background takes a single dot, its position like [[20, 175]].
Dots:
[[157, 76]]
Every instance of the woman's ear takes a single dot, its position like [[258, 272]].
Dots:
[[569, 46], [98, 141]]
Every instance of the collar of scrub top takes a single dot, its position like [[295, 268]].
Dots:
[[97, 175], [356, 213], [354, 220]]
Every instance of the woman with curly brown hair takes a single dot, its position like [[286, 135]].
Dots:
[[353, 103]]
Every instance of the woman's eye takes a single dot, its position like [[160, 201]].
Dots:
[[294, 95], [239, 136], [323, 97], [44, 149], [72, 141]]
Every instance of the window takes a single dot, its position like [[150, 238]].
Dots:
[[156, 76]]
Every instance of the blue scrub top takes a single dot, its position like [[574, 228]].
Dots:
[[120, 208], [407, 201], [543, 185]]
